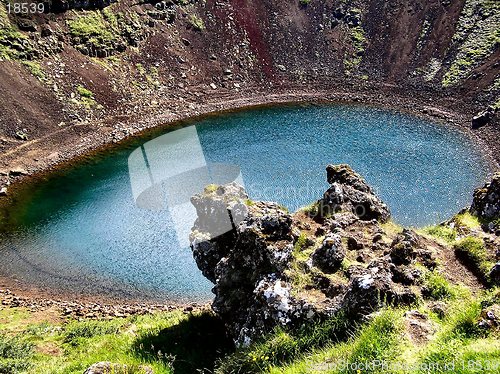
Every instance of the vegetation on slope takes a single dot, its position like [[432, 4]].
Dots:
[[91, 30], [473, 252], [477, 36], [39, 342], [12, 41], [174, 342]]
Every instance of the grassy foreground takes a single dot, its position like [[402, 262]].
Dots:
[[43, 342]]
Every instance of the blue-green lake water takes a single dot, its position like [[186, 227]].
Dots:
[[82, 230]]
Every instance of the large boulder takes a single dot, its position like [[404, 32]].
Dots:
[[329, 256], [483, 118], [403, 248], [370, 288], [486, 200]]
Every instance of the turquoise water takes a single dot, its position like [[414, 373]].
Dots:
[[81, 229]]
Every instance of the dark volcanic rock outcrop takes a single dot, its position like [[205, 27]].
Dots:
[[349, 192], [486, 202], [483, 118], [274, 268]]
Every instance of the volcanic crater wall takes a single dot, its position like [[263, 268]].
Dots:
[[105, 61]]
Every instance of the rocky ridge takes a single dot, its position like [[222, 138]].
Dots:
[[486, 203], [272, 268]]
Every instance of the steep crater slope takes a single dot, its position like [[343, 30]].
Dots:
[[86, 73]]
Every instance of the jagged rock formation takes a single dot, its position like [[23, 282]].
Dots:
[[486, 203], [274, 268], [349, 192]]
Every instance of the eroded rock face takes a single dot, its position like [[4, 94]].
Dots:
[[486, 201], [242, 247], [272, 268], [495, 274], [403, 248], [349, 192]]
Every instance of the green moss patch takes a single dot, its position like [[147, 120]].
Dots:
[[91, 32], [473, 254], [476, 38]]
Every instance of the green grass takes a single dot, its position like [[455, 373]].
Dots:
[[91, 28], [474, 255], [301, 243], [463, 224], [457, 340], [496, 104], [436, 287], [380, 340], [282, 346], [444, 233], [154, 340], [110, 17], [196, 22], [35, 69], [140, 68], [318, 210], [211, 188], [86, 97], [476, 37], [151, 76], [312, 209], [11, 39], [297, 273], [358, 41], [83, 92], [460, 340], [173, 342], [76, 332], [15, 354], [188, 346], [467, 220]]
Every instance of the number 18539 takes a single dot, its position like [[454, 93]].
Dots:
[[25, 7]]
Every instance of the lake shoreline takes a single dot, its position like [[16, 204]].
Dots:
[[134, 129], [93, 307], [78, 142]]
